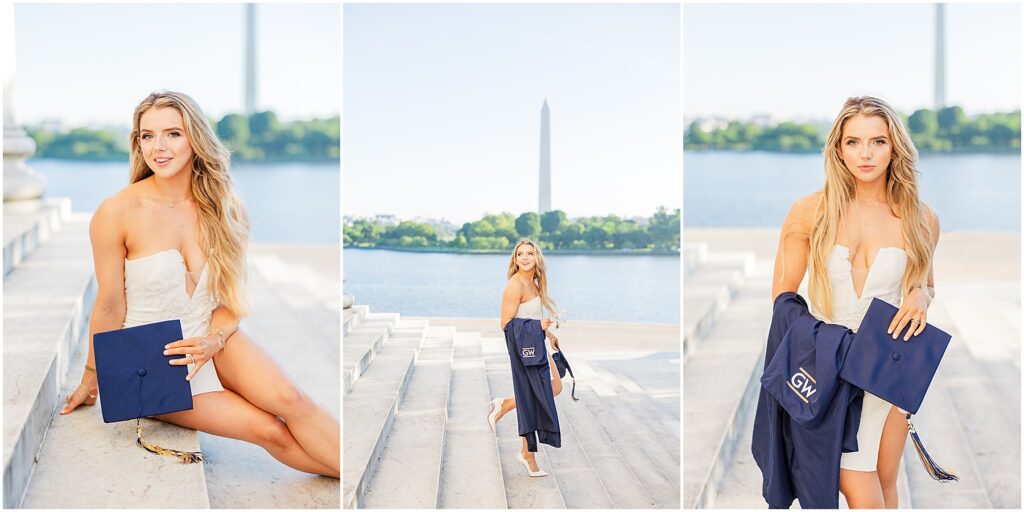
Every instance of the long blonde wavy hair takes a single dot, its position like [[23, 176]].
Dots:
[[223, 229], [839, 191], [540, 274]]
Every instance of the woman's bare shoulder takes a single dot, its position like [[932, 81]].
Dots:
[[514, 289], [116, 208], [801, 214], [805, 207]]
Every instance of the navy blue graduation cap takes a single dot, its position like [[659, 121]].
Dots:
[[136, 381], [896, 371], [562, 364]]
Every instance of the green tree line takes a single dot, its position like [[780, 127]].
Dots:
[[947, 130], [552, 230], [260, 137]]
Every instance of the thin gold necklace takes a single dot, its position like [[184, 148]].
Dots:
[[170, 203]]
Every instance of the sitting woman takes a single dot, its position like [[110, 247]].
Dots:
[[172, 245]]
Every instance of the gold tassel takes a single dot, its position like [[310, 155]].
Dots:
[[183, 457]]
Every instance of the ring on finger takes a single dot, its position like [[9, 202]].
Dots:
[[914, 321], [192, 358]]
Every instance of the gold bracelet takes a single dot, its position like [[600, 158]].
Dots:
[[89, 368], [220, 336]]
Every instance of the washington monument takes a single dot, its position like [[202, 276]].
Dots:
[[940, 56], [545, 160], [250, 59]]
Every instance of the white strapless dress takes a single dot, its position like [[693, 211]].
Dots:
[[155, 290], [882, 282]]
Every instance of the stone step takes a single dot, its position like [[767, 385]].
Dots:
[[570, 464], [944, 437], [660, 416], [694, 254], [362, 344], [471, 471], [352, 316], [729, 361], [636, 455], [320, 322], [408, 474], [316, 284], [619, 400], [636, 448], [369, 411], [991, 337], [237, 472], [521, 490], [108, 469], [312, 293], [709, 290], [47, 301], [968, 428], [623, 486], [29, 223], [308, 317], [647, 427]]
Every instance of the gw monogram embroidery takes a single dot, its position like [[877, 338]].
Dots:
[[528, 351], [802, 384]]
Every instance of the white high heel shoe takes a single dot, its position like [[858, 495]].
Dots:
[[522, 460], [492, 417]]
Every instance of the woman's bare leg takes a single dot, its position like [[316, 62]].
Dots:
[[861, 488], [556, 387], [245, 368], [225, 414], [890, 451], [530, 457]]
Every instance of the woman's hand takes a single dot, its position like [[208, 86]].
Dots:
[[84, 394], [201, 349], [554, 342], [914, 311], [545, 323]]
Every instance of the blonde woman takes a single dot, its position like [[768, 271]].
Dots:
[[172, 245], [865, 234], [526, 296]]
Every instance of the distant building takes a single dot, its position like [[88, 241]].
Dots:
[[640, 220], [445, 230], [386, 219]]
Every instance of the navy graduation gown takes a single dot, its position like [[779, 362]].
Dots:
[[806, 416], [531, 381]]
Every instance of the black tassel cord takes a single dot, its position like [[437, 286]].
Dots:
[[933, 469]]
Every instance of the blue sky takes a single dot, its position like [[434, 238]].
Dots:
[[442, 108], [92, 63], [804, 60]]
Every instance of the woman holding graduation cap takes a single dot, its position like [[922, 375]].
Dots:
[[865, 235], [172, 245]]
